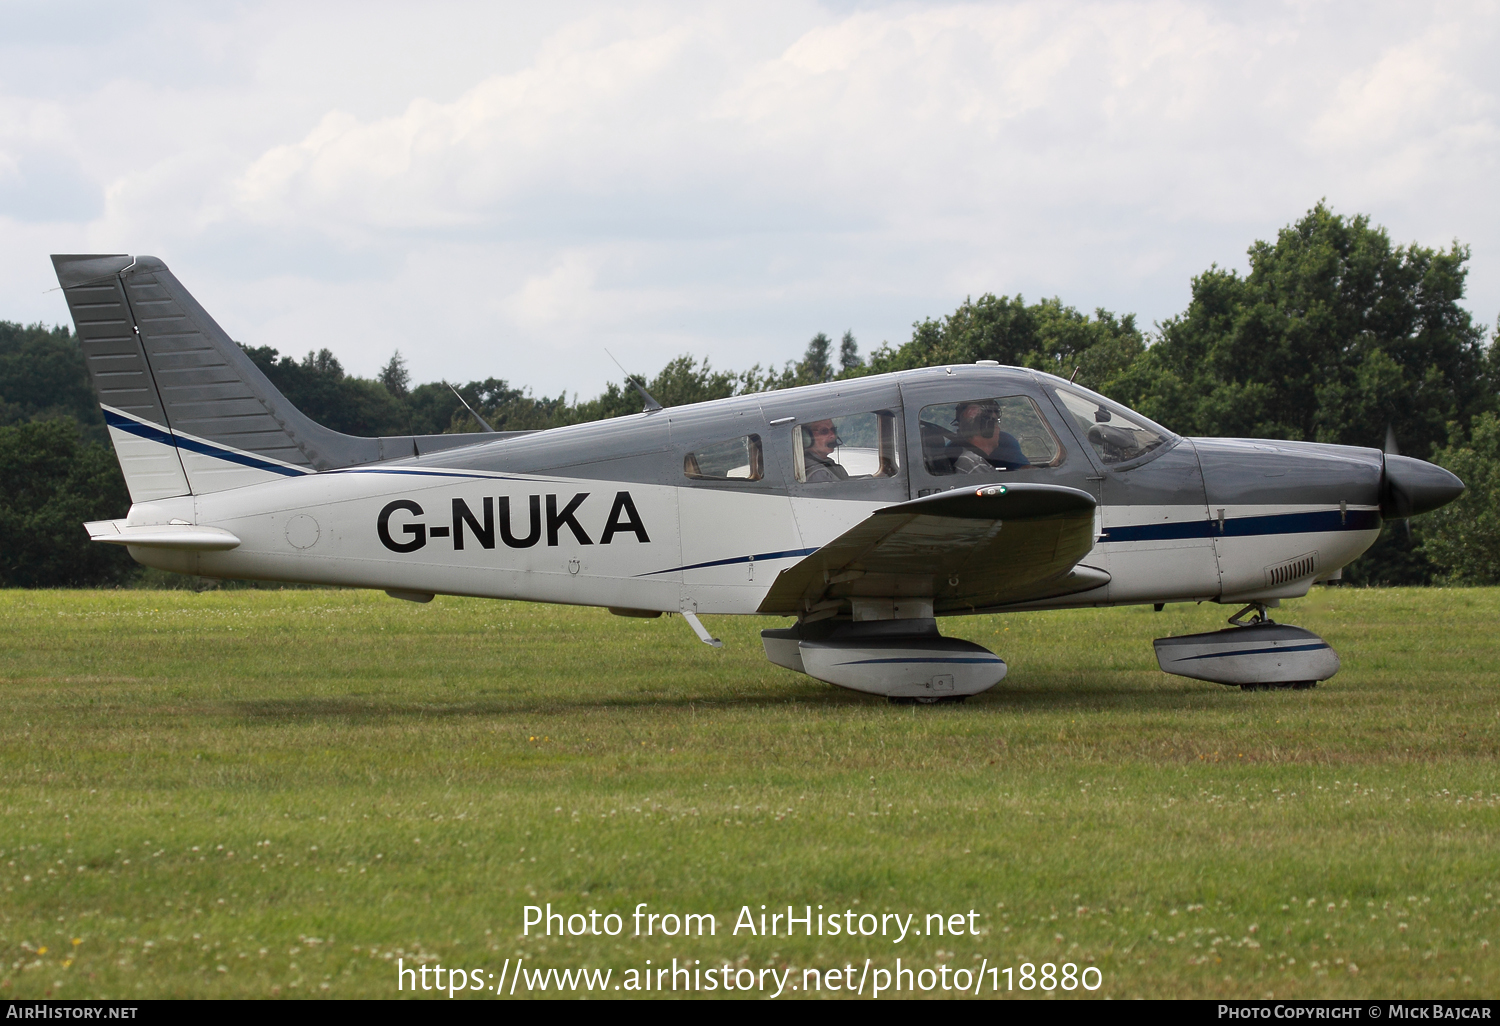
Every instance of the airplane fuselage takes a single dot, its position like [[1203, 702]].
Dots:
[[607, 514], [865, 509]]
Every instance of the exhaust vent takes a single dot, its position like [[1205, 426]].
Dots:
[[1304, 565]]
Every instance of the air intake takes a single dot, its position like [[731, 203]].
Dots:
[[1305, 565]]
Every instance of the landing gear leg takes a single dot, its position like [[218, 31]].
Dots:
[[1257, 611], [1258, 615]]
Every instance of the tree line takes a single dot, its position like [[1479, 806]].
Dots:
[[1334, 334]]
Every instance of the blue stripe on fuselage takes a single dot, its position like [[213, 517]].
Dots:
[[762, 556], [1318, 522], [1239, 527]]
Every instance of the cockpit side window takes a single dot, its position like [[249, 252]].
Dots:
[[738, 459], [859, 446], [1117, 434], [987, 436]]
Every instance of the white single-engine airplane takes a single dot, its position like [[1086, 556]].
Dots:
[[863, 508]]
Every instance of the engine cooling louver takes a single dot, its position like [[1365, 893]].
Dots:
[[1302, 566]]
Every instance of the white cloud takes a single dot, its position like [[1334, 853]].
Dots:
[[508, 190]]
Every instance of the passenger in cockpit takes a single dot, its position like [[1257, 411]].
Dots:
[[819, 439], [981, 445]]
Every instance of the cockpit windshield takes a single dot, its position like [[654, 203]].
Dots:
[[1117, 434]]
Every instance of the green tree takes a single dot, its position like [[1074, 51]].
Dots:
[[507, 408], [54, 483], [816, 363], [1046, 336], [318, 386], [1463, 538], [395, 377], [682, 381], [430, 408], [849, 360], [1334, 335], [42, 376]]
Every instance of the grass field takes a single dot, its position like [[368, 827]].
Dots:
[[263, 793]]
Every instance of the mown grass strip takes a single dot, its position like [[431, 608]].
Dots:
[[255, 793]]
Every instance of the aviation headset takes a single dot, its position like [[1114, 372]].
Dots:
[[807, 434], [987, 420]]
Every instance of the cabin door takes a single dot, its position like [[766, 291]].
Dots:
[[843, 453]]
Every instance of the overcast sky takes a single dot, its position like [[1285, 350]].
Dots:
[[509, 189]]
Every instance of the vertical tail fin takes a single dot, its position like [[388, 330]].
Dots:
[[187, 410], [121, 375]]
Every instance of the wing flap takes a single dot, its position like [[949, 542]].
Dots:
[[965, 549]]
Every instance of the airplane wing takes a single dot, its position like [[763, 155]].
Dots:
[[967, 549]]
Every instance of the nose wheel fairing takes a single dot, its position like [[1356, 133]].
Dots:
[[1255, 654]]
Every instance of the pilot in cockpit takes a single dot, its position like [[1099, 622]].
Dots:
[[981, 445], [819, 439]]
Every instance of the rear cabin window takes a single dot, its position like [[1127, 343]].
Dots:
[[860, 446], [1116, 434], [987, 436], [738, 459]]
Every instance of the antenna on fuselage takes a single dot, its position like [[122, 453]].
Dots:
[[1074, 374], [651, 404], [482, 422]]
